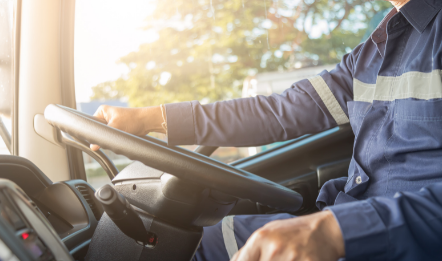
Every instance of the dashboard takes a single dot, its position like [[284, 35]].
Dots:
[[25, 234], [41, 220]]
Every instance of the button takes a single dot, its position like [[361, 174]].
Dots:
[[358, 180]]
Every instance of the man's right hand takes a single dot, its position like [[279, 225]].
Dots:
[[137, 121]]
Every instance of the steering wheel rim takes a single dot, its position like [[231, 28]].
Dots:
[[177, 161]]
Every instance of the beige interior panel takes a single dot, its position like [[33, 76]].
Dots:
[[39, 83], [45, 130]]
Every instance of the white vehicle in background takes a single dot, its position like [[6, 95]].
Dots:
[[277, 82], [267, 84]]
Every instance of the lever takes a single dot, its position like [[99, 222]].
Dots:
[[124, 216]]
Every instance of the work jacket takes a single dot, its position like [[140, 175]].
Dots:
[[390, 90]]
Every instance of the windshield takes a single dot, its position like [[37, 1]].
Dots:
[[140, 53]]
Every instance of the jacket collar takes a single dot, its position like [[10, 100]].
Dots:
[[380, 33], [419, 13]]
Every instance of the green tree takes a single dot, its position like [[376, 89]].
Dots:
[[206, 48]]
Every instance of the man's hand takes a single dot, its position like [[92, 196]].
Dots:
[[137, 121], [313, 237]]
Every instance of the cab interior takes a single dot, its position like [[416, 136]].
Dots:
[[174, 191]]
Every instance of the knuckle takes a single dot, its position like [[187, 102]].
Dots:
[[311, 258], [275, 250], [261, 233], [292, 256], [99, 110]]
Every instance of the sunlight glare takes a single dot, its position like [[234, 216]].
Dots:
[[106, 30]]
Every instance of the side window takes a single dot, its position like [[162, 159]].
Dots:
[[95, 174], [7, 72], [231, 154], [5, 135]]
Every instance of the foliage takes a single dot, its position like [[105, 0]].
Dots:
[[206, 48], [100, 172]]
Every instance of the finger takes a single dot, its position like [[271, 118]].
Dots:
[[99, 112], [94, 147], [281, 255], [249, 253]]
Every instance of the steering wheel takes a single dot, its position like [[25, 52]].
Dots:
[[174, 160]]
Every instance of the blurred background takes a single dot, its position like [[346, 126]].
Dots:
[[137, 53]]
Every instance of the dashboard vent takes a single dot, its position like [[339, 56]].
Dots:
[[88, 195]]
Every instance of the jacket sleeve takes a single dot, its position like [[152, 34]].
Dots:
[[308, 106], [405, 227]]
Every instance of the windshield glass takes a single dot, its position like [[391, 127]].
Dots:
[[140, 53]]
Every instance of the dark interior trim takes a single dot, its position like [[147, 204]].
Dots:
[[80, 248], [205, 150], [318, 143]]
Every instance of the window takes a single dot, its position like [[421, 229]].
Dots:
[[96, 175], [144, 53], [7, 72], [231, 154]]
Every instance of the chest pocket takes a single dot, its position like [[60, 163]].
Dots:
[[357, 111], [414, 151]]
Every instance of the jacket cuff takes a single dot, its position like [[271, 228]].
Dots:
[[329, 191], [180, 125], [365, 235]]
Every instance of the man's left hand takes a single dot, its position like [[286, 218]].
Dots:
[[312, 237]]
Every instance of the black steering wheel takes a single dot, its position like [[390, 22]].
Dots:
[[174, 160]]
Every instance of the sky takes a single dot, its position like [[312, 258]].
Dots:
[[106, 30]]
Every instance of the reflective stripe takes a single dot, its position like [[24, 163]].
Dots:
[[229, 236], [418, 85], [329, 100]]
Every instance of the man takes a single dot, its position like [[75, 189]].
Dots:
[[390, 206]]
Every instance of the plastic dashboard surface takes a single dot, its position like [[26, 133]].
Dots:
[[69, 206], [24, 231]]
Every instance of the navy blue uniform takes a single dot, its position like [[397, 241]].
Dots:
[[390, 90]]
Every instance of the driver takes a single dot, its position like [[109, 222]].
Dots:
[[390, 206]]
